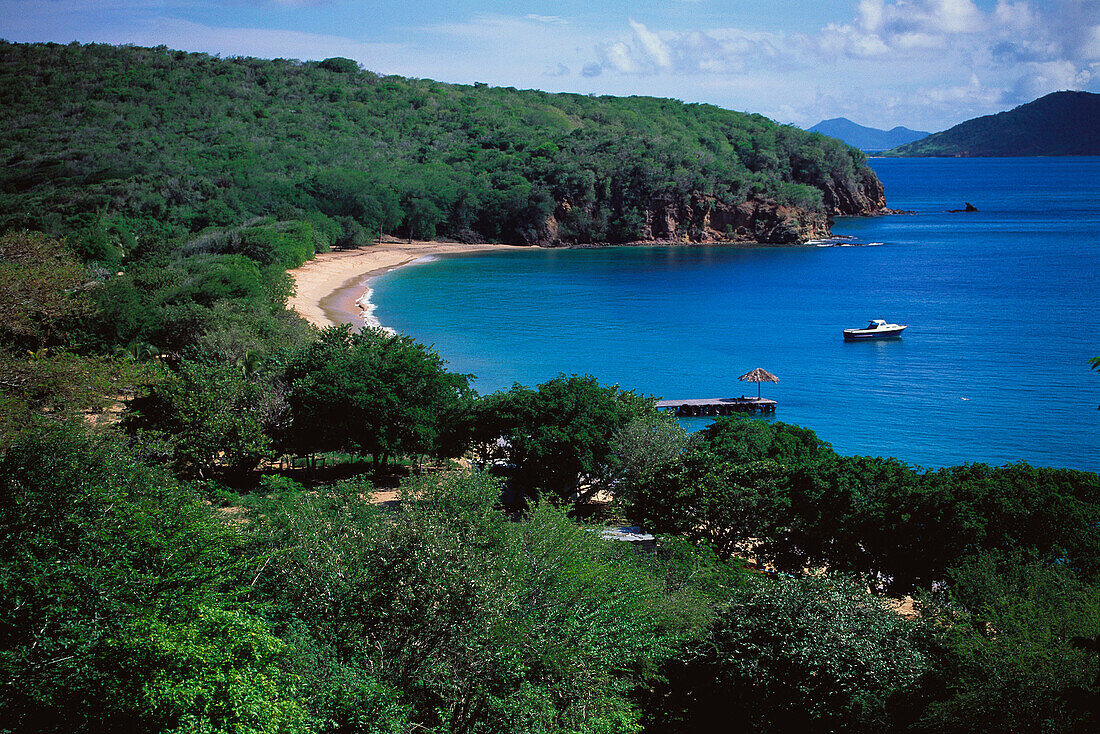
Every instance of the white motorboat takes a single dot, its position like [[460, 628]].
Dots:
[[876, 329]]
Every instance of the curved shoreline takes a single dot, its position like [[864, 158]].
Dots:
[[330, 287]]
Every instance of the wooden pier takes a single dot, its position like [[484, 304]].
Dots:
[[700, 407]]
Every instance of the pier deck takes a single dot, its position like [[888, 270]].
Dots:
[[717, 406]]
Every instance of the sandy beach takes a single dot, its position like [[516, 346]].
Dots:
[[329, 287]]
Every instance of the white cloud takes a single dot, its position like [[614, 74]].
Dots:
[[847, 40], [872, 13], [620, 57], [692, 53], [653, 50], [1010, 53], [530, 50], [643, 53], [903, 26], [973, 89], [262, 42], [486, 27], [1090, 46], [917, 41], [1014, 17], [957, 16], [548, 19], [1047, 77]]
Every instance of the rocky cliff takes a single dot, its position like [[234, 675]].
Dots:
[[705, 219], [866, 196]]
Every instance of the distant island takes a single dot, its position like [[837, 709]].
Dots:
[[106, 144], [1062, 123], [867, 139]]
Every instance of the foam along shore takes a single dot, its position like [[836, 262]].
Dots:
[[333, 288]]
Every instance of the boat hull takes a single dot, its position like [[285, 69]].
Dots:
[[859, 335]]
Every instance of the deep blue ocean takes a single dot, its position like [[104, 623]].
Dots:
[[1002, 305]]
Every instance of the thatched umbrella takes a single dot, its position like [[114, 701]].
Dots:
[[758, 375]]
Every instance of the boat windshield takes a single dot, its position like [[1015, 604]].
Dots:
[[872, 325]]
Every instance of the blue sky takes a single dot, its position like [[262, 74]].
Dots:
[[925, 64]]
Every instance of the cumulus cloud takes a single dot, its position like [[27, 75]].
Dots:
[[1015, 17], [643, 53], [1044, 78], [872, 14], [956, 16], [718, 51], [851, 41], [921, 63], [903, 26], [652, 49]]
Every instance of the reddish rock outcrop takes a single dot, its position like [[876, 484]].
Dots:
[[867, 197], [704, 219]]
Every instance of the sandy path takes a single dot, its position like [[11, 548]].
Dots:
[[328, 286]]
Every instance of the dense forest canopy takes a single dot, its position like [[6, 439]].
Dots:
[[117, 143]]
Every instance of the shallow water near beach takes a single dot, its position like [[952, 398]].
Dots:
[[1001, 304]]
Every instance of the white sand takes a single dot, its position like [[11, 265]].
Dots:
[[328, 287]]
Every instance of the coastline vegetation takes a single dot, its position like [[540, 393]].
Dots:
[[126, 149], [163, 565], [162, 571]]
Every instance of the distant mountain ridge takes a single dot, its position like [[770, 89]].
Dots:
[[867, 139], [1061, 123]]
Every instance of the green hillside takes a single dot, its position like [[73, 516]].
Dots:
[[198, 524], [119, 141], [1062, 123]]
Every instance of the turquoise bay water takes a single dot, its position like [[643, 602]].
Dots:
[[1002, 306]]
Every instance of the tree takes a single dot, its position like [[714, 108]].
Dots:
[[44, 296], [740, 440], [43, 291], [558, 436], [808, 655], [63, 385], [118, 588], [369, 199], [883, 518], [478, 622], [170, 144], [340, 65], [734, 508], [1020, 647], [179, 303], [647, 445], [373, 392], [212, 413]]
